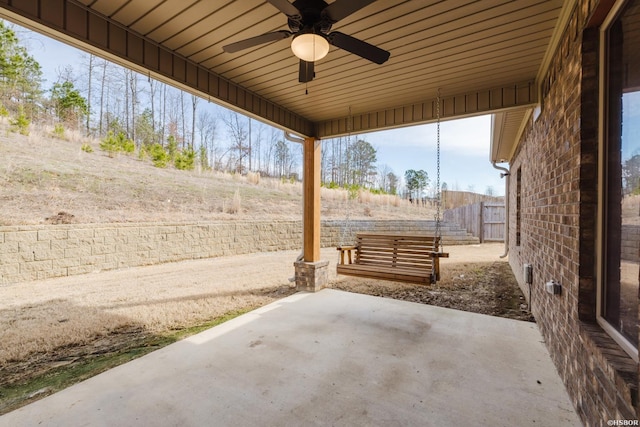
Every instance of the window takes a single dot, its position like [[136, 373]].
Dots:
[[620, 275]]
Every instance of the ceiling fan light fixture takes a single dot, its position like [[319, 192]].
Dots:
[[310, 47]]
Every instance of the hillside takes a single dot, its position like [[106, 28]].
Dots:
[[42, 176]]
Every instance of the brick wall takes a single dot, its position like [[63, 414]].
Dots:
[[40, 252], [558, 159]]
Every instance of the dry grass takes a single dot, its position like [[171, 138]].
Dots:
[[236, 203], [37, 318], [41, 175], [253, 178]]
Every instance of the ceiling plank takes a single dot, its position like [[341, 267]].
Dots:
[[504, 98], [460, 47]]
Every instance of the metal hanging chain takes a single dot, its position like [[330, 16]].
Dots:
[[438, 190], [346, 227]]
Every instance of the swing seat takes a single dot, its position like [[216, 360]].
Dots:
[[409, 258]]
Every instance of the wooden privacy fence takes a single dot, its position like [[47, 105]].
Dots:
[[485, 220]]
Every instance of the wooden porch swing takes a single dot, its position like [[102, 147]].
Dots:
[[402, 257], [410, 258]]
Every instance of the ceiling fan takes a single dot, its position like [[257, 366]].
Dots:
[[310, 23]]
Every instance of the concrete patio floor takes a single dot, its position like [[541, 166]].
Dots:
[[330, 358]]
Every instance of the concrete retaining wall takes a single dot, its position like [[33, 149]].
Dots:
[[630, 243], [45, 251]]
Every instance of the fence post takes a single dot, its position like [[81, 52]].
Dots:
[[481, 222]]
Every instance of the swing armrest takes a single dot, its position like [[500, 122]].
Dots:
[[348, 250], [438, 254], [436, 263]]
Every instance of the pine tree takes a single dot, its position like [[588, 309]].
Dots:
[[20, 74], [70, 107]]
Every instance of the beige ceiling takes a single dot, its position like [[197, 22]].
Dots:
[[484, 56]]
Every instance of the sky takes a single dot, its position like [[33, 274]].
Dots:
[[464, 153], [464, 143]]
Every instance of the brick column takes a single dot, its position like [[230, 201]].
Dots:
[[311, 276]]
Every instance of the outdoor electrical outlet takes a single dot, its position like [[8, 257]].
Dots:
[[553, 287], [528, 274]]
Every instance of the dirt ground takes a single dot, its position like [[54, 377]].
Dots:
[[474, 279], [63, 323]]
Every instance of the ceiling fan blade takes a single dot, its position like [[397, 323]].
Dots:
[[358, 47], [340, 9], [287, 8], [307, 72], [255, 41]]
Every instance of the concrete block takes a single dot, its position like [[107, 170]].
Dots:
[[64, 262], [80, 233], [36, 266], [27, 276], [175, 237], [81, 269], [119, 260], [104, 232], [54, 272], [8, 248], [18, 257], [79, 252], [112, 240], [166, 229], [33, 246], [48, 254], [64, 244], [91, 241], [126, 248], [52, 234], [101, 249], [10, 269], [95, 260], [129, 231], [21, 236]]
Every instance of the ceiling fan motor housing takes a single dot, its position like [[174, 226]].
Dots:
[[312, 19]]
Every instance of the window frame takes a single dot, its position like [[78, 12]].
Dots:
[[603, 111]]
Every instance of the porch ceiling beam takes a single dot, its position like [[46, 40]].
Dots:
[[507, 97], [73, 23]]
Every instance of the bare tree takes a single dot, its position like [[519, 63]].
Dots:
[[153, 87], [257, 143], [250, 153], [384, 172], [194, 107], [238, 133], [133, 87], [91, 64], [66, 74], [269, 155], [163, 114], [103, 85], [183, 120], [207, 126]]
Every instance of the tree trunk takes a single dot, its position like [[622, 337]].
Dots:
[[194, 106], [152, 96], [90, 77], [102, 87]]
